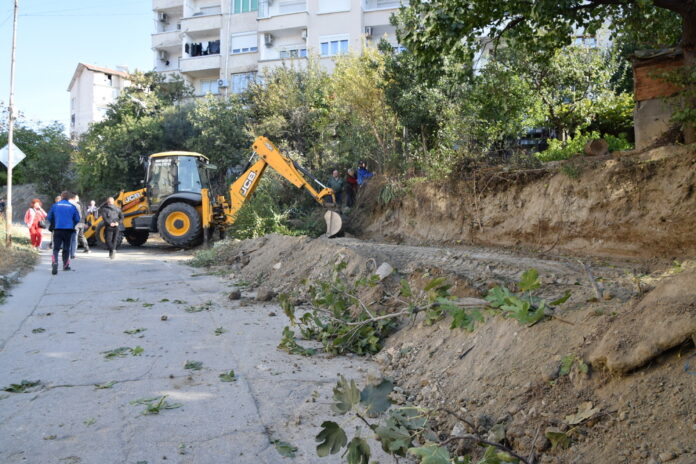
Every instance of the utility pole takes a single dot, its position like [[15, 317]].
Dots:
[[10, 132]]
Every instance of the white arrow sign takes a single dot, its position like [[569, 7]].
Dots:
[[17, 155]]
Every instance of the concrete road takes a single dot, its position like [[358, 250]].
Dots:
[[56, 329]]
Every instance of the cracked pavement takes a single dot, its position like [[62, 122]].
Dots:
[[85, 312]]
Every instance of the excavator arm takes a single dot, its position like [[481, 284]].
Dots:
[[224, 212]]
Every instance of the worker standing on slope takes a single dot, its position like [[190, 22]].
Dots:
[[63, 217]]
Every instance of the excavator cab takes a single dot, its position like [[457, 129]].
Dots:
[[176, 174]]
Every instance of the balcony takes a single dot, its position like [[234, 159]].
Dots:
[[166, 40], [376, 5], [166, 4], [269, 8], [199, 63], [284, 22], [203, 23]]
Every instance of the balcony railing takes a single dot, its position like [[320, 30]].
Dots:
[[268, 8], [165, 4], [166, 39], [199, 63], [369, 5], [202, 23]]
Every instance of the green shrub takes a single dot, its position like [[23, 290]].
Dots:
[[559, 150]]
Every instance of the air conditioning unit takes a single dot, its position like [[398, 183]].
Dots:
[[222, 83], [268, 39], [162, 17], [368, 31], [304, 34], [163, 55]]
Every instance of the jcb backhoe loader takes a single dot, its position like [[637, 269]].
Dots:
[[177, 201]]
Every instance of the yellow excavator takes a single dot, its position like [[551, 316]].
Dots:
[[177, 201]]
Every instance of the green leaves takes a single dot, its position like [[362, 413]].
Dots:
[[134, 331], [23, 386], [358, 451], [394, 436], [524, 307], [289, 344], [228, 376], [375, 398], [346, 395], [155, 405], [567, 363], [331, 439], [529, 280], [557, 438], [193, 365], [122, 352], [284, 448], [431, 454]]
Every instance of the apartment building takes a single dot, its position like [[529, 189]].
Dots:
[[219, 46], [92, 89]]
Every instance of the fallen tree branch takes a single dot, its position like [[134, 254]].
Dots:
[[481, 441], [599, 290], [457, 416]]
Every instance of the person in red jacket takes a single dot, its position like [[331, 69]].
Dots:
[[32, 218]]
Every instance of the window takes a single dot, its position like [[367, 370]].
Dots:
[[189, 180], [209, 86], [330, 6], [241, 81], [244, 6], [244, 43], [332, 46], [293, 52]]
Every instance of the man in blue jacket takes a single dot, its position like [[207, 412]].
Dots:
[[63, 217]]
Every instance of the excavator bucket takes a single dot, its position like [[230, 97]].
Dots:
[[334, 223]]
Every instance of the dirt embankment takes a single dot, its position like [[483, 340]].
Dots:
[[505, 378], [629, 205]]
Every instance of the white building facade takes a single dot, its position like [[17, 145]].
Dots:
[[92, 89], [219, 46]]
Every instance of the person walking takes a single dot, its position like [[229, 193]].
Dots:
[[63, 218], [34, 218], [336, 183], [351, 188], [56, 200], [112, 216], [79, 235]]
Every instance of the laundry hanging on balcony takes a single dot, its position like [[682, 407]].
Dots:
[[211, 47]]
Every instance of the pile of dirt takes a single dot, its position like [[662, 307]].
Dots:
[[628, 205], [639, 400]]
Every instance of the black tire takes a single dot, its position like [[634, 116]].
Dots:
[[179, 224], [136, 237], [99, 238]]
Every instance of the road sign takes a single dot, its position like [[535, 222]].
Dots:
[[17, 155]]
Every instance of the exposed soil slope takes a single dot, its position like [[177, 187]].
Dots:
[[632, 204], [636, 340]]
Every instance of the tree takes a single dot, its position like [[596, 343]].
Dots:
[[146, 118], [437, 29], [221, 133], [571, 84], [48, 163]]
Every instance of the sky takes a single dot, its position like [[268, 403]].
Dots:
[[53, 37]]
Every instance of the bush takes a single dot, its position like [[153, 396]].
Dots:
[[559, 150]]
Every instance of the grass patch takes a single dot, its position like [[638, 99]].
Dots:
[[21, 256]]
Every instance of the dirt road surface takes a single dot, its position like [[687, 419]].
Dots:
[[58, 329]]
